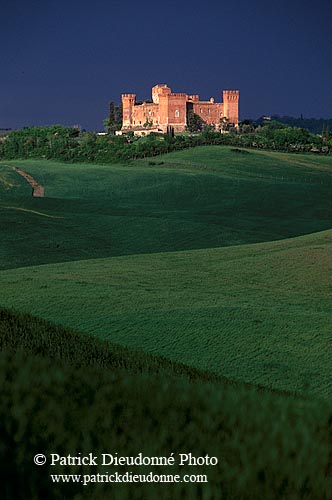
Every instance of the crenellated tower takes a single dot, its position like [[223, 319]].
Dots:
[[128, 103], [231, 105]]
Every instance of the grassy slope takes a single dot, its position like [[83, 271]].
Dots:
[[259, 313], [200, 198], [247, 312], [59, 391]]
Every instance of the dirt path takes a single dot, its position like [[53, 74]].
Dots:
[[32, 212], [37, 189]]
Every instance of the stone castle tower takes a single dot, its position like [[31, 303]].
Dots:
[[170, 109]]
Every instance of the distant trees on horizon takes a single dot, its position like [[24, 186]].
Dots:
[[71, 144]]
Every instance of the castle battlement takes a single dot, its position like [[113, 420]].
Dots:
[[171, 109], [231, 94]]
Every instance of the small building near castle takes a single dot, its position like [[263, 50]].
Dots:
[[169, 109]]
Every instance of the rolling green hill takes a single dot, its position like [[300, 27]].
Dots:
[[136, 261], [199, 287], [200, 198], [258, 313]]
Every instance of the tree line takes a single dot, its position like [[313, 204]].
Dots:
[[72, 145], [321, 126]]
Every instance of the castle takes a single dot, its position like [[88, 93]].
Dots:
[[168, 109]]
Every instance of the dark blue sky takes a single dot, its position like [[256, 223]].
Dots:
[[63, 61]]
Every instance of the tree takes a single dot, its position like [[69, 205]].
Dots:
[[170, 131], [114, 120], [118, 115], [111, 114], [107, 125], [148, 123], [224, 124], [194, 122]]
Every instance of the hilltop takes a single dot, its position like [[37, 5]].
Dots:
[[199, 198]]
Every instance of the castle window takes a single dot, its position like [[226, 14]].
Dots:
[[201, 111], [177, 114], [209, 110]]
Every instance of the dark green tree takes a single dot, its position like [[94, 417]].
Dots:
[[194, 122], [114, 120]]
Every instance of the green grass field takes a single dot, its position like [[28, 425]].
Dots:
[[67, 393], [139, 257], [199, 287], [258, 313], [201, 198]]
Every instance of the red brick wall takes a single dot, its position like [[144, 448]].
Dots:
[[209, 112], [177, 111], [158, 90], [128, 102], [145, 112], [163, 112], [231, 105]]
